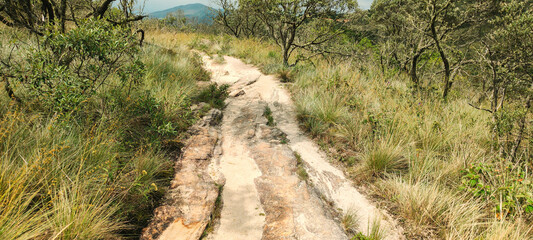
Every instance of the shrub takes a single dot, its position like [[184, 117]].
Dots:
[[214, 95], [94, 163], [285, 75], [65, 69], [506, 187]]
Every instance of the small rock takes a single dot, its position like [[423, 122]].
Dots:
[[237, 93], [197, 107], [214, 117], [250, 133], [252, 82]]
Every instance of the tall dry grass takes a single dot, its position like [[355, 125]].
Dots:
[[97, 173], [413, 149]]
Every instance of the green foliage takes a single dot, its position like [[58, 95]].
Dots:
[[506, 187], [94, 162], [214, 95], [66, 69], [146, 120], [375, 232], [285, 75], [267, 113], [360, 236], [176, 19]]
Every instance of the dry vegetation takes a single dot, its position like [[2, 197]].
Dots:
[[99, 170], [416, 153], [86, 152]]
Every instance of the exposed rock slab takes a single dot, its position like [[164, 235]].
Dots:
[[190, 201], [255, 155], [293, 210]]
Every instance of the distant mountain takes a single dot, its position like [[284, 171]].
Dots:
[[193, 11]]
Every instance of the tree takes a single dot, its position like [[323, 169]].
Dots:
[[237, 19], [36, 15], [300, 24], [507, 54], [447, 27], [402, 31], [453, 27], [176, 19], [64, 69]]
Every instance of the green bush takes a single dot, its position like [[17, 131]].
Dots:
[[86, 152], [64, 69], [214, 95], [505, 186]]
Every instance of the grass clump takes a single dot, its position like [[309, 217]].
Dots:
[[350, 222], [375, 232], [96, 169], [429, 205], [267, 113], [300, 168], [213, 95], [381, 160], [285, 75], [436, 163]]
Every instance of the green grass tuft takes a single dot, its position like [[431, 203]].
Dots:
[[267, 113]]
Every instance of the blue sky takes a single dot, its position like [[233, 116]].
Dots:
[[156, 5]]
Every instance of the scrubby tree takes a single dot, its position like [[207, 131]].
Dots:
[[176, 19], [403, 32], [36, 15], [300, 24], [237, 19], [506, 60], [445, 27], [453, 26], [64, 69]]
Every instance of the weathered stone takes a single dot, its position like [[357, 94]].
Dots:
[[237, 93], [191, 198]]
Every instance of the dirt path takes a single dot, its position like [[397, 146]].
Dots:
[[264, 197]]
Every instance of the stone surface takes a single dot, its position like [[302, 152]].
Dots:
[[190, 201], [293, 209], [237, 93], [263, 196]]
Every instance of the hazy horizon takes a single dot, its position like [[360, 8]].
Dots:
[[151, 6]]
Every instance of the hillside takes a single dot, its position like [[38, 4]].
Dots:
[[192, 11]]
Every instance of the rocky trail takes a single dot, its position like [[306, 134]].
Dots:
[[246, 177]]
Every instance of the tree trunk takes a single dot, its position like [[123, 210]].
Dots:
[[447, 72], [99, 13], [522, 127], [9, 90], [447, 83], [47, 8], [63, 14], [495, 108], [285, 56], [412, 72]]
